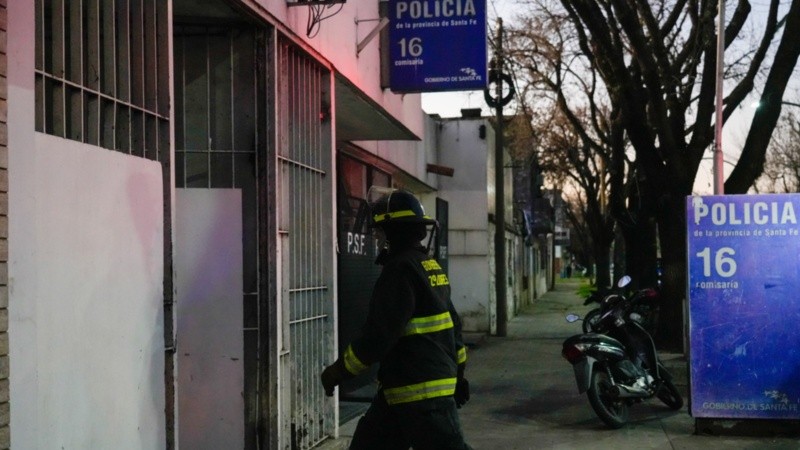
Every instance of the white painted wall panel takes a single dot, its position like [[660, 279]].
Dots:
[[476, 243], [457, 241], [462, 149], [22, 310], [467, 209], [470, 292], [209, 267], [86, 304]]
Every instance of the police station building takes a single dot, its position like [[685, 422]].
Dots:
[[183, 222]]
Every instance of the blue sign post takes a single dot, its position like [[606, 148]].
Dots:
[[437, 45], [744, 306]]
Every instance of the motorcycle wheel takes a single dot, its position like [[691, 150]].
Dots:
[[669, 394], [613, 412], [591, 320]]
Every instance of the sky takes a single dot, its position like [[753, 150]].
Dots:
[[450, 104]]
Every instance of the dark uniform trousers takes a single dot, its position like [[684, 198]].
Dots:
[[430, 424]]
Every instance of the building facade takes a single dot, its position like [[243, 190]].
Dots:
[[183, 241], [466, 144], [4, 343], [174, 177]]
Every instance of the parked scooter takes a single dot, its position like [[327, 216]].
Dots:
[[643, 307], [617, 365]]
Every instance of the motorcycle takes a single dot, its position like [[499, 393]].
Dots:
[[643, 308], [618, 365]]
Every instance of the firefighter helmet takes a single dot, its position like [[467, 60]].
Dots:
[[400, 207]]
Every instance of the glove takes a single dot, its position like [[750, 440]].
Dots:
[[332, 376], [462, 392]]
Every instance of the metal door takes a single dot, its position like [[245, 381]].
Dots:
[[209, 268]]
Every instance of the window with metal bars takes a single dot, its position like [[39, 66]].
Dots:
[[215, 106], [102, 73]]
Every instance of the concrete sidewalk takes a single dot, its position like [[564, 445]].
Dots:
[[524, 394]]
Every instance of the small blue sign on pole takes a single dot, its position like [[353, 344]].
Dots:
[[744, 306], [437, 45]]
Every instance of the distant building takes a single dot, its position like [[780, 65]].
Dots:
[[561, 230], [538, 222], [466, 144]]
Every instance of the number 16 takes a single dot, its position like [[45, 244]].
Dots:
[[723, 262], [413, 47]]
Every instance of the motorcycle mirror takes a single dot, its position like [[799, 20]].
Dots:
[[573, 318], [624, 281]]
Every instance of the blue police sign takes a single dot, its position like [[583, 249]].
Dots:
[[744, 306], [437, 45]]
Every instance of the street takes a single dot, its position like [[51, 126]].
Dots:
[[524, 394]]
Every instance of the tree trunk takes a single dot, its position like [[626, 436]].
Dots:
[[602, 252], [620, 253], [641, 253], [671, 218]]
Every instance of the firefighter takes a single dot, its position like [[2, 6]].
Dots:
[[414, 332]]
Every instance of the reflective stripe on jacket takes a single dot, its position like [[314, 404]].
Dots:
[[420, 391]]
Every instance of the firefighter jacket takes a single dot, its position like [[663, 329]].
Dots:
[[412, 329]]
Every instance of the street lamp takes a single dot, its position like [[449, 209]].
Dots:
[[719, 182]]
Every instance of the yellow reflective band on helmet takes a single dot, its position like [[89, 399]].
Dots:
[[462, 355], [395, 215], [352, 363], [429, 324], [420, 391]]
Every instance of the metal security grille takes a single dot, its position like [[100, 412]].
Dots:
[[305, 219], [215, 109], [102, 73]]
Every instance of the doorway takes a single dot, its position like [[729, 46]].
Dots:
[[216, 151]]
